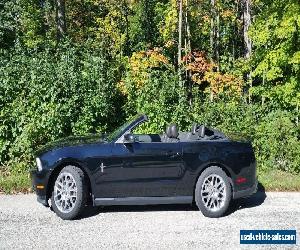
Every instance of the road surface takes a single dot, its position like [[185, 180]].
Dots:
[[25, 224]]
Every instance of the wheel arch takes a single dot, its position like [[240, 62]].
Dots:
[[214, 164], [58, 167]]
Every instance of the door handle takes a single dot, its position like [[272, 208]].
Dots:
[[172, 154]]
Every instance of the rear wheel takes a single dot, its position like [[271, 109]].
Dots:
[[69, 194], [213, 192]]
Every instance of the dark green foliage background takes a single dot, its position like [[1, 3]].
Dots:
[[50, 89], [45, 96]]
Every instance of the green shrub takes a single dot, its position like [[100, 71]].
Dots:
[[277, 142], [161, 99], [48, 95]]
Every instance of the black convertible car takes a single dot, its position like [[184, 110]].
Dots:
[[202, 166]]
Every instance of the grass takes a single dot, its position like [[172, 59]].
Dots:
[[11, 183], [277, 180]]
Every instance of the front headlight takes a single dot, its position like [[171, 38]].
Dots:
[[39, 164]]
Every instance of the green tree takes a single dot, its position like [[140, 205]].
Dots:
[[143, 31], [276, 61]]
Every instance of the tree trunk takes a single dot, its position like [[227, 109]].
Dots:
[[179, 33], [214, 38], [179, 40], [217, 45], [297, 114], [247, 40], [212, 29], [188, 51], [247, 23], [214, 33], [125, 12], [235, 43], [61, 19]]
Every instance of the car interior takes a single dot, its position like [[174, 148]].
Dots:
[[198, 132]]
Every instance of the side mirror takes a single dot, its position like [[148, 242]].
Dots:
[[129, 138]]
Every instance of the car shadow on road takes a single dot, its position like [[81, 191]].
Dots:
[[93, 211], [253, 201]]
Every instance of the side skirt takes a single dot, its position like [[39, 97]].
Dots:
[[143, 200]]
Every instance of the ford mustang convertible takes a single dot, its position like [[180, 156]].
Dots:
[[202, 166]]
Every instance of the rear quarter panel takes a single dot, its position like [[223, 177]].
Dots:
[[236, 158]]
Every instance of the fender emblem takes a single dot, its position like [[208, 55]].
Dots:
[[102, 167]]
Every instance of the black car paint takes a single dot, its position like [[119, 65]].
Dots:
[[143, 172]]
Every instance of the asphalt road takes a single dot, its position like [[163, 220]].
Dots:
[[26, 224]]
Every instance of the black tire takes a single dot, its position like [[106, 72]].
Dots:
[[201, 200], [81, 196]]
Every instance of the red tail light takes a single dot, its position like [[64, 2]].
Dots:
[[240, 180]]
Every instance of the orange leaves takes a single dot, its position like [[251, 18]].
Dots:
[[223, 84], [197, 64], [202, 72]]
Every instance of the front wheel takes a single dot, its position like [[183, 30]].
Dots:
[[69, 193], [213, 192]]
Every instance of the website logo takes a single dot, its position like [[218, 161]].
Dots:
[[268, 236]]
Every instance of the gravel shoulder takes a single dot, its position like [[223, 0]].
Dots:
[[28, 225]]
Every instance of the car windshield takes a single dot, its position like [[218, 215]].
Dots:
[[120, 130]]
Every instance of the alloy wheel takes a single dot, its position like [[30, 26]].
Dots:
[[65, 192], [213, 192]]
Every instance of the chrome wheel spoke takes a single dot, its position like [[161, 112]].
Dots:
[[208, 201], [213, 192], [59, 185], [65, 192]]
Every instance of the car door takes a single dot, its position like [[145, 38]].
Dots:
[[142, 169]]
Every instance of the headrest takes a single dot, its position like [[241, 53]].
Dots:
[[201, 131], [194, 128], [198, 129], [172, 131]]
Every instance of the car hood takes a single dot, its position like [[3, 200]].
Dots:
[[70, 141]]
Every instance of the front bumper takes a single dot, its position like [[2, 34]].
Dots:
[[246, 192], [39, 185]]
